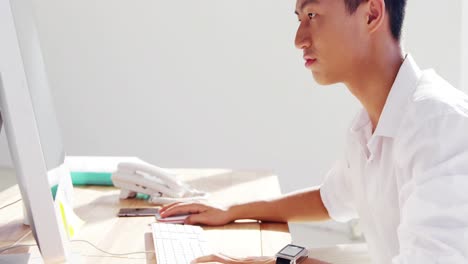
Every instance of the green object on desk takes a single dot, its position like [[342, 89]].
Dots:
[[96, 178], [54, 191], [142, 196], [91, 178], [87, 178]]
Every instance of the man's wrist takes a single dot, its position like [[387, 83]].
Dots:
[[253, 210], [233, 212]]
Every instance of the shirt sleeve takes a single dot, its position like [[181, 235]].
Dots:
[[434, 195], [336, 193]]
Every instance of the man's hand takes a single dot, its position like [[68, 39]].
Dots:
[[221, 258], [202, 214]]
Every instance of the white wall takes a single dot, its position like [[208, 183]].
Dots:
[[210, 83], [464, 45], [432, 36], [191, 84]]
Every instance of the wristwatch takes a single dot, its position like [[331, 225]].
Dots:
[[291, 254]]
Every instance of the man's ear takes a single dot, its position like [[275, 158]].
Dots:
[[375, 14]]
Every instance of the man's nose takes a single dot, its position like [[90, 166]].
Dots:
[[302, 40]]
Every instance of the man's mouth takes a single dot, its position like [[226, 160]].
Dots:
[[309, 62]]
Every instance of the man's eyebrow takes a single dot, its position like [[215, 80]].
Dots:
[[306, 2]]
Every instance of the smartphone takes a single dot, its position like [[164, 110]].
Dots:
[[175, 219], [149, 211]]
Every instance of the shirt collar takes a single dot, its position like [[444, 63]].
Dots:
[[405, 83], [360, 122], [395, 106]]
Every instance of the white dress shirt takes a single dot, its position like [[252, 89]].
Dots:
[[408, 181]]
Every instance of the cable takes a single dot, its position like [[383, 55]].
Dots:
[[12, 203], [87, 242], [113, 254], [16, 246]]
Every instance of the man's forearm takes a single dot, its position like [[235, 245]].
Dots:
[[304, 205]]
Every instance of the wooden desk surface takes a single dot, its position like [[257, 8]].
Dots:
[[98, 207]]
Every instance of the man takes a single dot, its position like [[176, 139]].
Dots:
[[405, 169]]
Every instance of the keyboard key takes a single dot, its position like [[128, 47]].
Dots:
[[178, 243]]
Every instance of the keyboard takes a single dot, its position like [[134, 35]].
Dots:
[[179, 244]]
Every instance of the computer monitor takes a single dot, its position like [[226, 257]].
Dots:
[[31, 127]]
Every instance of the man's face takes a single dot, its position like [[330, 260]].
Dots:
[[333, 41]]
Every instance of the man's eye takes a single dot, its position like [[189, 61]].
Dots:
[[310, 15]]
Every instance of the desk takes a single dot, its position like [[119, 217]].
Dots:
[[98, 207]]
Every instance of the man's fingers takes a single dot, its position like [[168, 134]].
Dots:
[[183, 209], [168, 206], [204, 259], [214, 258], [224, 259], [195, 219]]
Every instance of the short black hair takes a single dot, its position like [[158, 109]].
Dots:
[[395, 9]]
